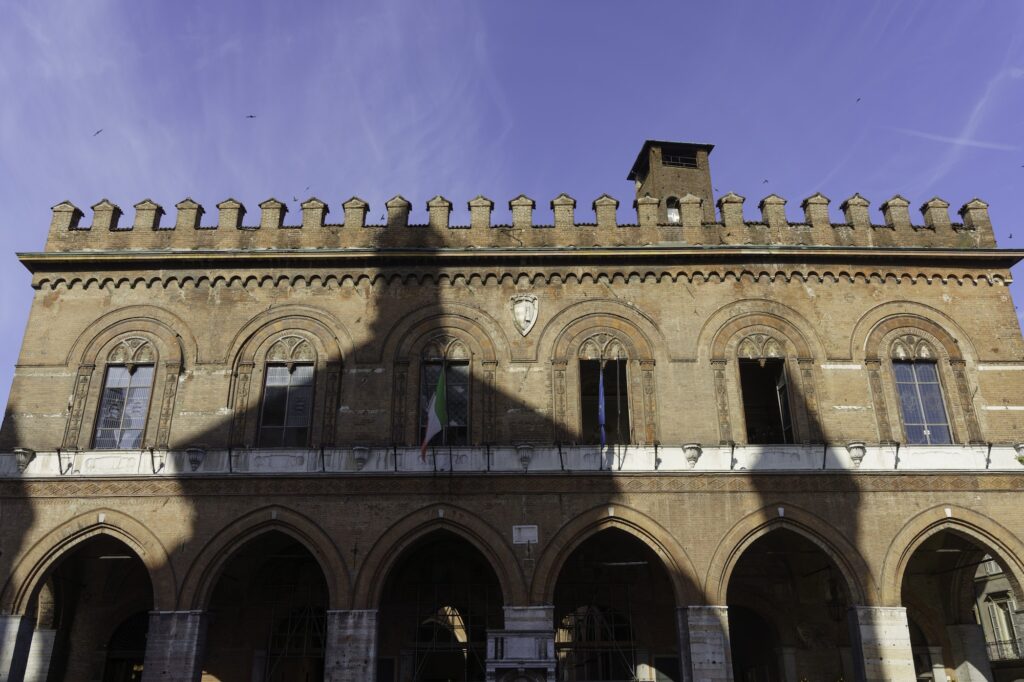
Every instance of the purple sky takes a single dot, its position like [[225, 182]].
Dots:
[[461, 98]]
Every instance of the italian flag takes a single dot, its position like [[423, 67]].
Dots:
[[437, 414]]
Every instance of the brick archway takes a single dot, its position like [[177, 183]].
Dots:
[[757, 524], [205, 571], [393, 543], [45, 554], [981, 530], [674, 558]]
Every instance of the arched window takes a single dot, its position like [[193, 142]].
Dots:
[[604, 391], [672, 210], [444, 393], [286, 410], [124, 402], [767, 407], [922, 408]]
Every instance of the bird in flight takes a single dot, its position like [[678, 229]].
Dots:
[[250, 115], [97, 132], [764, 182], [858, 99]]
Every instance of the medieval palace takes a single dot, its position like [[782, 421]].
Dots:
[[695, 446]]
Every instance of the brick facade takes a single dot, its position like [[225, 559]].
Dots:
[[684, 304]]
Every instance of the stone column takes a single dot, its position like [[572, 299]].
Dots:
[[38, 666], [938, 666], [787, 659], [15, 641], [704, 643], [880, 641], [526, 645], [350, 652], [174, 646], [970, 657]]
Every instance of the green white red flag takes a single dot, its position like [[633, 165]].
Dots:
[[437, 414]]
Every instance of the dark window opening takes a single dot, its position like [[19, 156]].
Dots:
[[766, 401], [287, 406], [123, 407], [455, 429], [672, 209], [921, 404], [616, 401], [680, 160]]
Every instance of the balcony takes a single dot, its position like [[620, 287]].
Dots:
[[1004, 650]]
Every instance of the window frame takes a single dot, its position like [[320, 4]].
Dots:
[[896, 384], [423, 400], [673, 203], [787, 423], [132, 368], [312, 386]]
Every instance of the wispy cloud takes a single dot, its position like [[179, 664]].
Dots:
[[958, 141]]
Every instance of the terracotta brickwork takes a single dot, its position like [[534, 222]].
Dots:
[[211, 306]]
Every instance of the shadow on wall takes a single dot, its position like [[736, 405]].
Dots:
[[273, 582]]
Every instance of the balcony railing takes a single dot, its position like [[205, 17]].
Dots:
[[1005, 650], [505, 459]]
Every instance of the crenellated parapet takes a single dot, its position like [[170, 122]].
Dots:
[[564, 226]]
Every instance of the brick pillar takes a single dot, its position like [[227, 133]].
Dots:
[[704, 653], [350, 652], [15, 641], [174, 646], [970, 657], [880, 641], [38, 666]]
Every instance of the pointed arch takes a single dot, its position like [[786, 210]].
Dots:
[[674, 558], [43, 555], [756, 525], [205, 570], [983, 531], [390, 547]]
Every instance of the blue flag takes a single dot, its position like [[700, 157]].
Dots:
[[600, 403]]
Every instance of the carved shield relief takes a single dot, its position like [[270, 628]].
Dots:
[[524, 312]]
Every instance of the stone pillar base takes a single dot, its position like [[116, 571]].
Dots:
[[525, 649], [174, 646], [970, 656], [38, 665], [881, 644], [704, 649], [350, 652], [15, 642]]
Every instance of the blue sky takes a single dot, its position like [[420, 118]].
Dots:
[[500, 98]]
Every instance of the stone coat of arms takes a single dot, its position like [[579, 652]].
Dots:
[[524, 312]]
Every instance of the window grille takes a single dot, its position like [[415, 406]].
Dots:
[[456, 377], [287, 405], [921, 404], [123, 407], [679, 160]]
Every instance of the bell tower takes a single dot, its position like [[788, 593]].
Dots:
[[669, 171]]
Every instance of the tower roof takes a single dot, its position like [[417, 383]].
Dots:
[[639, 169]]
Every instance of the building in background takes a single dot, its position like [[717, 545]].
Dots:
[[696, 446]]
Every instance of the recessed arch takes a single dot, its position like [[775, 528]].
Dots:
[[877, 321], [390, 547], [332, 335], [983, 531], [730, 319], [36, 563], [588, 524], [176, 338], [757, 524], [206, 568], [488, 335]]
